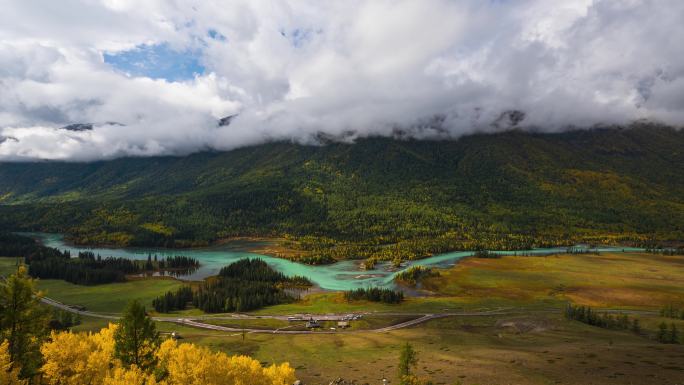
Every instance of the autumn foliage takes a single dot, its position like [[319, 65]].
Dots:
[[88, 359], [127, 353], [8, 375]]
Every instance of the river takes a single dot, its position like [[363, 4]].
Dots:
[[345, 275]]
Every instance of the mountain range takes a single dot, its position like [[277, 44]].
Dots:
[[513, 189]]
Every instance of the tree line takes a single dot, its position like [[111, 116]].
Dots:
[[19, 246], [670, 311], [375, 294], [604, 320], [589, 316], [667, 335], [666, 251], [244, 285], [173, 300], [87, 268], [414, 274]]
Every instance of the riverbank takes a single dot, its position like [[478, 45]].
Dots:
[[340, 276], [531, 344], [270, 246], [628, 280], [293, 250]]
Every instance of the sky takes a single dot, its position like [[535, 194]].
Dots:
[[314, 71]]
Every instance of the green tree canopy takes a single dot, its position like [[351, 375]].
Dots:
[[23, 323], [407, 360], [136, 340]]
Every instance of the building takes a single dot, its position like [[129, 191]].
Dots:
[[312, 324]]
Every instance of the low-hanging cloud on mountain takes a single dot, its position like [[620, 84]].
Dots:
[[165, 72]]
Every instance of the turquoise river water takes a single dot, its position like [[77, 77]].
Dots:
[[345, 275]]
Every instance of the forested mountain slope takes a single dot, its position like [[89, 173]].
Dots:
[[506, 190]]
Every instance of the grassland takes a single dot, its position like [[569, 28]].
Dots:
[[473, 350], [477, 351], [8, 265], [533, 345], [366, 323], [625, 280], [109, 298], [619, 280]]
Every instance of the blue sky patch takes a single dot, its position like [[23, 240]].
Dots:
[[157, 61], [216, 35], [299, 37]]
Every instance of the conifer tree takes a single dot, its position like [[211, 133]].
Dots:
[[662, 333], [23, 323], [136, 339], [674, 334], [407, 361]]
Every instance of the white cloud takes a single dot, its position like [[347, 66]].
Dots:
[[298, 69]]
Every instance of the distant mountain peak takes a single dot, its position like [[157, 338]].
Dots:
[[4, 139], [79, 127], [226, 120], [509, 119]]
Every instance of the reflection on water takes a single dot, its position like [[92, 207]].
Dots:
[[344, 275], [175, 273]]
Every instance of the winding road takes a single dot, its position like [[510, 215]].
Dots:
[[195, 321]]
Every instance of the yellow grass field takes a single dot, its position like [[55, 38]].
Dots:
[[634, 280]]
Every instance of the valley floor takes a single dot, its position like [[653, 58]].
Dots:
[[530, 344], [521, 349]]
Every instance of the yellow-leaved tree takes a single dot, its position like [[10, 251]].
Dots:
[[187, 364], [130, 376], [8, 374], [80, 359]]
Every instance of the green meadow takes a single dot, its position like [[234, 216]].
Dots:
[[8, 265], [531, 344], [532, 349], [108, 298]]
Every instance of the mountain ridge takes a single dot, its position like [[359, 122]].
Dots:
[[513, 189]]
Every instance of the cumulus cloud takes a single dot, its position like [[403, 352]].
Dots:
[[306, 70]]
